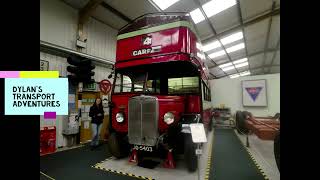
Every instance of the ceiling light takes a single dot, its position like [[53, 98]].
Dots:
[[234, 76], [225, 65], [217, 54], [199, 46], [245, 73], [200, 56], [214, 7], [240, 61], [241, 65], [232, 38], [197, 16], [228, 68], [164, 4], [235, 48], [211, 46]]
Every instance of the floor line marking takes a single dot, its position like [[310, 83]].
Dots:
[[252, 158], [120, 172], [207, 175], [46, 175]]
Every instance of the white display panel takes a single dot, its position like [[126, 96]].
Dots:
[[254, 93], [198, 133]]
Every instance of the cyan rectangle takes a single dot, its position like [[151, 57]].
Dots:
[[58, 86]]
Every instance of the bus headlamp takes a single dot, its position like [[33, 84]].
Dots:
[[119, 117], [168, 118]]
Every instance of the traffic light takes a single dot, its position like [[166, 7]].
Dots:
[[81, 70]]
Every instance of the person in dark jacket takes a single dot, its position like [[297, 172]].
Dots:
[[97, 115]]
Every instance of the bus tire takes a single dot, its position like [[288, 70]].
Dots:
[[114, 146], [246, 113], [190, 153], [240, 122]]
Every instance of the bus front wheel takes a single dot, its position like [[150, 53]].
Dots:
[[190, 154], [116, 147]]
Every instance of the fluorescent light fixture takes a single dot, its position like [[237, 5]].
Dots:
[[240, 61], [197, 16], [234, 76], [200, 55], [228, 68], [235, 48], [232, 38], [225, 65], [211, 46], [217, 54], [241, 65], [164, 4], [214, 7], [245, 73], [199, 46]]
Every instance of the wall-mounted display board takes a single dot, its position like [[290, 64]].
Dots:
[[254, 92]]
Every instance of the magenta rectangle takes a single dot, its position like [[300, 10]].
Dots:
[[9, 74], [50, 115]]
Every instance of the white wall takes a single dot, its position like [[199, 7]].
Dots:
[[59, 24], [101, 40], [229, 92]]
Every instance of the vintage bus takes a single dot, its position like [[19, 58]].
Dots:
[[160, 87]]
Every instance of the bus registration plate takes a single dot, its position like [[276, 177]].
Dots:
[[143, 148]]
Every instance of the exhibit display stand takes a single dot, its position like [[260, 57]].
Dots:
[[198, 135]]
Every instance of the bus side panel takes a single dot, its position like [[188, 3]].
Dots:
[[193, 103]]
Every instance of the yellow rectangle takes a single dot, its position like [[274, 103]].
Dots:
[[39, 74]]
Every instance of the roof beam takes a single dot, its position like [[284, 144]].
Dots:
[[249, 55], [216, 65], [274, 55], [213, 30], [116, 12], [87, 10], [242, 29], [254, 20], [266, 44], [259, 67], [212, 75]]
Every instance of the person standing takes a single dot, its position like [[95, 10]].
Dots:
[[97, 115]]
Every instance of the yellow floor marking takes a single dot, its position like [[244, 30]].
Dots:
[[46, 175]]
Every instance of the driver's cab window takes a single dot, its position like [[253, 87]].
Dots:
[[138, 82], [123, 84], [127, 84], [153, 86]]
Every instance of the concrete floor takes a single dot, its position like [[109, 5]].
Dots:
[[159, 172], [262, 151]]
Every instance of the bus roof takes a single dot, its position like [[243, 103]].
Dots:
[[154, 19]]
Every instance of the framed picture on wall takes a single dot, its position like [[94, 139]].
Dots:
[[254, 92]]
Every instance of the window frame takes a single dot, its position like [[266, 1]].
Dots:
[[206, 92]]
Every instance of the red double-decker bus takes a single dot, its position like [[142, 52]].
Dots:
[[160, 87]]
